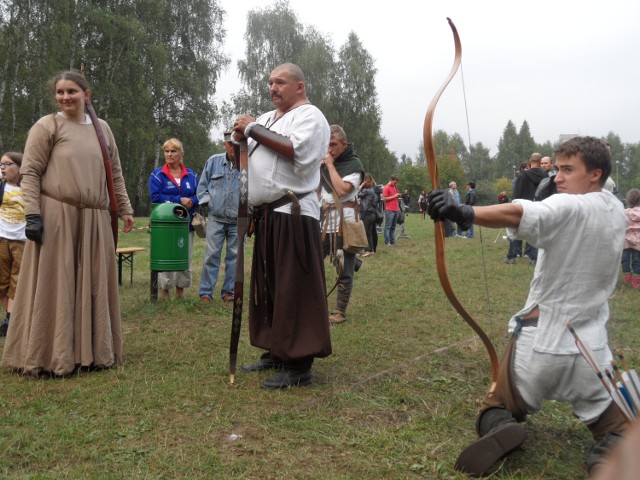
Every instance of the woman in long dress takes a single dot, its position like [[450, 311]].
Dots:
[[66, 312]]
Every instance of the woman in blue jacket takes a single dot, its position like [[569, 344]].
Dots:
[[175, 183]]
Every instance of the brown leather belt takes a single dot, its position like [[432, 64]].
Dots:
[[345, 205], [289, 197]]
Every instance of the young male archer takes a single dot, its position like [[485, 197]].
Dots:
[[580, 235]]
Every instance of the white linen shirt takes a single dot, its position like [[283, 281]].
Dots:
[[271, 175], [580, 238], [354, 179]]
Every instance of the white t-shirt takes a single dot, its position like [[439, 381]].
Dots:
[[354, 179], [12, 216]]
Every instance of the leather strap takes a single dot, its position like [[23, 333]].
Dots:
[[337, 203], [276, 142], [113, 203]]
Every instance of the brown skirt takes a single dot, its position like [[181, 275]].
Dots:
[[288, 312]]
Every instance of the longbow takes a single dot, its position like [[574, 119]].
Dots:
[[439, 225]]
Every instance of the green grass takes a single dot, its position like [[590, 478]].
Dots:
[[396, 400]]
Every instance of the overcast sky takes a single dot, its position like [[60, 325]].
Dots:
[[563, 66]]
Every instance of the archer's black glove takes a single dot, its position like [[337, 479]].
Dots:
[[443, 206], [33, 230]]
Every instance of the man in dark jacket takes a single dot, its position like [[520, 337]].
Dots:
[[471, 199], [526, 184], [547, 186]]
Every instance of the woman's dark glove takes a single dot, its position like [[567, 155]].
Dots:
[[443, 206], [33, 230]]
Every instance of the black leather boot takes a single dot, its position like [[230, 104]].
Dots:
[[607, 430], [266, 362], [295, 373], [499, 433], [598, 454]]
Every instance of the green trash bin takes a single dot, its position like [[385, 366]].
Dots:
[[169, 229]]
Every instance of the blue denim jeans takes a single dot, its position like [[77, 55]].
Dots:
[[471, 232], [515, 249], [630, 261], [449, 229], [217, 233], [390, 222]]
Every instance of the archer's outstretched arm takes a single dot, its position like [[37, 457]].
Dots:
[[442, 206], [498, 216]]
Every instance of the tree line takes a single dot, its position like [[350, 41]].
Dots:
[[154, 65], [493, 174]]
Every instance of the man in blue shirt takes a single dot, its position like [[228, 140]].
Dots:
[[219, 187]]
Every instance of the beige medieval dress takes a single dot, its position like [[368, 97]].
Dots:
[[67, 308]]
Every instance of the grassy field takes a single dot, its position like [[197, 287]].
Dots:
[[396, 400]]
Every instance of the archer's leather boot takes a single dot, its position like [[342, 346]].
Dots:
[[499, 433], [627, 279], [598, 454], [635, 281], [607, 430]]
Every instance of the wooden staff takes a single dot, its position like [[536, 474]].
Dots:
[[242, 157]]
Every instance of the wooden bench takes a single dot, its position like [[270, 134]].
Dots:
[[125, 257]]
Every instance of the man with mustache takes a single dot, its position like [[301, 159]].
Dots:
[[288, 315]]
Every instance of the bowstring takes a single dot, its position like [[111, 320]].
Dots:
[[484, 262]]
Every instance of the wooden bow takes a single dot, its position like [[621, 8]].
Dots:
[[242, 159], [439, 225]]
